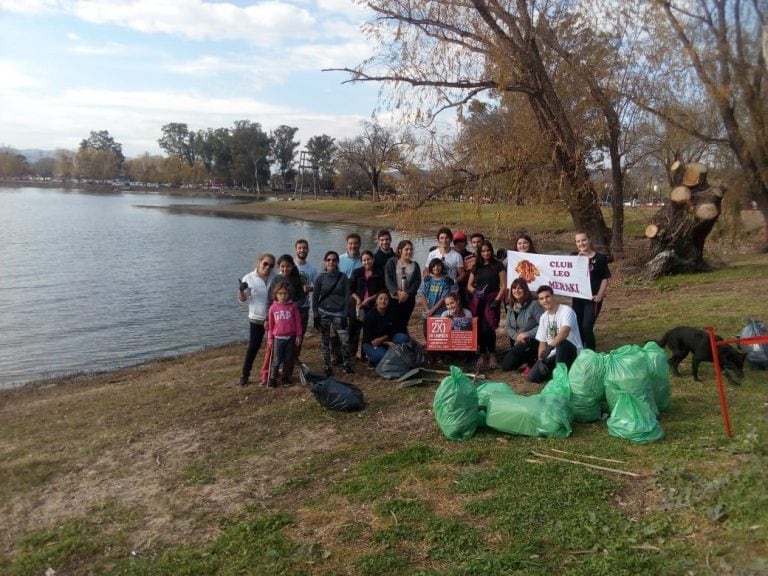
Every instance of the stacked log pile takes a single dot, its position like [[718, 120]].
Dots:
[[680, 228]]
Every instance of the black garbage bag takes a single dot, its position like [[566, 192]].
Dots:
[[332, 393], [399, 359]]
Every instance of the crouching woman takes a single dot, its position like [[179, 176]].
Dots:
[[379, 330], [523, 316]]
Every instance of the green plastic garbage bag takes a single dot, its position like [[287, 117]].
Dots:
[[658, 368], [633, 420], [529, 415], [586, 381], [455, 406], [626, 370], [485, 390], [558, 386]]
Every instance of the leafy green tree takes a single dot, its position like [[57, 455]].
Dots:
[[178, 140], [283, 149], [250, 149], [323, 152], [102, 141], [99, 157]]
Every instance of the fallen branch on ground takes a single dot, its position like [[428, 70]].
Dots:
[[595, 466]]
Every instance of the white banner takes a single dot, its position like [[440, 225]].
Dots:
[[566, 275]]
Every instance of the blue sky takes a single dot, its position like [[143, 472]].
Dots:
[[71, 66]]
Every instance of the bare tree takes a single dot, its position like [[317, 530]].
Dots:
[[719, 47], [374, 151], [451, 52]]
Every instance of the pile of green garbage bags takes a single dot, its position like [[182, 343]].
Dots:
[[633, 381]]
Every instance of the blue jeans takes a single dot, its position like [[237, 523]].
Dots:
[[376, 353]]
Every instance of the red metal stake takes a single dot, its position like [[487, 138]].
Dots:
[[719, 377]]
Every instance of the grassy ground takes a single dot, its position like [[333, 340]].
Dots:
[[169, 468]]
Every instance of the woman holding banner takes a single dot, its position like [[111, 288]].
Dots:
[[588, 310], [487, 287]]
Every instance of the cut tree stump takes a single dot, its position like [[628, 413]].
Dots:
[[679, 229], [680, 195]]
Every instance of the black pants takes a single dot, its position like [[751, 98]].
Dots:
[[254, 343], [587, 312], [486, 334], [282, 356], [402, 315], [565, 353], [520, 354]]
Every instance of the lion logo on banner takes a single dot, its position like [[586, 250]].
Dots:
[[527, 271]]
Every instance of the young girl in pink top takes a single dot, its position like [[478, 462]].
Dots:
[[283, 333]]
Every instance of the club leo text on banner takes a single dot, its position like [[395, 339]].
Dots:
[[451, 334], [566, 275]]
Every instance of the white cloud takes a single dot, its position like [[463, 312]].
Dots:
[[261, 24], [134, 118], [13, 78], [320, 56], [33, 6], [351, 9]]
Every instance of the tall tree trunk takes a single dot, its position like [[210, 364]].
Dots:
[[581, 198]]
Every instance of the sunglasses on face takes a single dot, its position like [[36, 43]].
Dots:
[[268, 264]]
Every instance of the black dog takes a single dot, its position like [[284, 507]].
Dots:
[[684, 339]]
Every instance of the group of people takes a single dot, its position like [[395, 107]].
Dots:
[[362, 303]]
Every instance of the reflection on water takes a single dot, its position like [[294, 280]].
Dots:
[[91, 282]]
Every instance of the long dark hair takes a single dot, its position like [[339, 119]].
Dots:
[[293, 278], [527, 296], [479, 262]]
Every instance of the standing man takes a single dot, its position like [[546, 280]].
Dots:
[[351, 259], [475, 241], [385, 251], [452, 260], [348, 262], [307, 273], [558, 336]]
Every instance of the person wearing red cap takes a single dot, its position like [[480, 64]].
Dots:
[[460, 244]]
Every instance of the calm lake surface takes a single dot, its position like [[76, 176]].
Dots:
[[92, 282]]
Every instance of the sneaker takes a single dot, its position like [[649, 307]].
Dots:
[[328, 371], [348, 369], [287, 382], [493, 364], [243, 381], [338, 361], [272, 384]]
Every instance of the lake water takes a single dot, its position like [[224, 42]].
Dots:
[[92, 282]]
